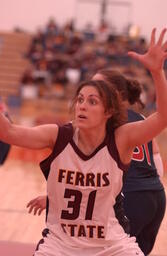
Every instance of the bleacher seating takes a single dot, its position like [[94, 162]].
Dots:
[[12, 62]]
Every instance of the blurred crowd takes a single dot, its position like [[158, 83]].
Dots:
[[62, 56]]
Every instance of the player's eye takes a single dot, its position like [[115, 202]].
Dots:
[[93, 101], [80, 99]]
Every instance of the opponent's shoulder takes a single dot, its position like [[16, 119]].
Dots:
[[134, 116]]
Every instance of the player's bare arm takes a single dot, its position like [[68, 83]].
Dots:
[[143, 131], [38, 137]]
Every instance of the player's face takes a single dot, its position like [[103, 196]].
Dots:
[[89, 109]]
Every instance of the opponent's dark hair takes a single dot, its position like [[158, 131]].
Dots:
[[129, 89]]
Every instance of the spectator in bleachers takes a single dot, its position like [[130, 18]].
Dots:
[[60, 47]]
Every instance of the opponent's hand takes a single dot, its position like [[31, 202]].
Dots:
[[154, 58], [37, 205]]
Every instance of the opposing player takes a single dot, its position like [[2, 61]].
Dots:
[[144, 196]]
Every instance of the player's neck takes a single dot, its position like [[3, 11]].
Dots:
[[89, 141]]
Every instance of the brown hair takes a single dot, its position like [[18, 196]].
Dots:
[[110, 98], [129, 89]]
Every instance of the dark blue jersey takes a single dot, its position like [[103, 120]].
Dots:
[[142, 173], [4, 150]]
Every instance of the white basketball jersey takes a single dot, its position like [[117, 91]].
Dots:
[[81, 194]]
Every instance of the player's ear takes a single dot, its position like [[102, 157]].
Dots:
[[108, 113]]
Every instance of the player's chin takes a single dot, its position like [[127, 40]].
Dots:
[[82, 124]]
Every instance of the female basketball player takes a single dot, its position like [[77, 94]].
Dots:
[[144, 193], [84, 171]]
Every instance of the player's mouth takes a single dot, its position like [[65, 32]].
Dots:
[[82, 117]]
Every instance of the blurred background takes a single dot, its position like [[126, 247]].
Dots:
[[46, 49]]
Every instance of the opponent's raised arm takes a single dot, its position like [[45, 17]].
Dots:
[[37, 137], [138, 133], [153, 60]]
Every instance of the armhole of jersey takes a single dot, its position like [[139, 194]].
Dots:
[[112, 148], [4, 149], [65, 134], [134, 116], [143, 116]]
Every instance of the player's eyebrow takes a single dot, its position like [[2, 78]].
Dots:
[[91, 95]]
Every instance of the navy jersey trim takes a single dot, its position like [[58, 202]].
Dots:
[[65, 134], [82, 155], [112, 148]]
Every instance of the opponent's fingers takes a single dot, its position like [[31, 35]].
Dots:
[[40, 211], [32, 202], [29, 203], [161, 37], [134, 55], [30, 209], [36, 208], [152, 40]]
